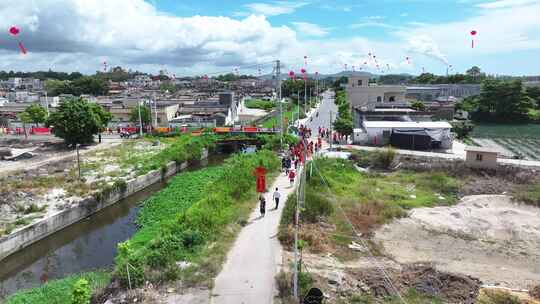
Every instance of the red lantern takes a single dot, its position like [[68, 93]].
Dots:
[[14, 30], [473, 33]]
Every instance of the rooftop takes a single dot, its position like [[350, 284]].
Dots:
[[408, 124], [482, 149]]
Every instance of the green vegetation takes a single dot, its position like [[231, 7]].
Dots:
[[500, 101], [418, 105], [462, 129], [529, 193], [77, 121], [92, 85], [184, 232], [168, 87], [179, 149], [61, 291], [81, 292], [35, 113], [495, 296], [368, 199], [411, 296], [145, 116], [343, 124], [488, 130], [295, 89], [266, 105], [290, 114]]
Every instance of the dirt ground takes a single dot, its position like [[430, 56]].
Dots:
[[485, 236]]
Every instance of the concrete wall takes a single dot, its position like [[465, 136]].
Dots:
[[32, 233], [489, 160]]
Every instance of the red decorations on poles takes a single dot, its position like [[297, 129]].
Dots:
[[260, 174], [473, 33], [14, 31]]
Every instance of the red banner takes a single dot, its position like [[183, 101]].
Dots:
[[260, 173]]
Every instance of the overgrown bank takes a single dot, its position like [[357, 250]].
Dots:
[[195, 233]]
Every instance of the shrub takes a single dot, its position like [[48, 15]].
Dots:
[[284, 284], [81, 292], [529, 193], [316, 206], [383, 158], [495, 296]]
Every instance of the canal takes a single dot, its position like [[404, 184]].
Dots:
[[87, 245]]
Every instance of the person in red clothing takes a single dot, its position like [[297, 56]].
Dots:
[[291, 177]]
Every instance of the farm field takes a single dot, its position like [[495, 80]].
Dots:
[[522, 139]]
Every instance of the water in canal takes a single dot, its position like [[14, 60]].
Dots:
[[84, 246]]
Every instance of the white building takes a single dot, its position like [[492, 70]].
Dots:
[[428, 134], [362, 95]]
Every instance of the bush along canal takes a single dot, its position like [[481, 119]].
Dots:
[[182, 222]]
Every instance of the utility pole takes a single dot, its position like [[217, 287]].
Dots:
[[298, 94], [78, 160], [140, 121], [278, 75]]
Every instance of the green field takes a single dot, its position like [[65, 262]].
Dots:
[[521, 139], [531, 131], [291, 114]]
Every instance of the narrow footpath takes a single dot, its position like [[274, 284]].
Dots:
[[248, 275]]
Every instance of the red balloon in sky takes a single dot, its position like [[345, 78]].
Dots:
[[473, 32], [303, 71], [14, 30], [291, 73]]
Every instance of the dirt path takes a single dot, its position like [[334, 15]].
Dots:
[[485, 236], [256, 256]]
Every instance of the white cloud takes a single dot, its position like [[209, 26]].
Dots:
[[274, 8], [134, 32], [404, 14], [373, 24], [501, 30], [425, 45], [311, 29], [375, 17], [505, 3]]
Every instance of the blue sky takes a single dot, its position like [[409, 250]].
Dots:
[[206, 37]]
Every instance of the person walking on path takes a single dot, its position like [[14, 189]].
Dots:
[[262, 206], [291, 177], [276, 197]]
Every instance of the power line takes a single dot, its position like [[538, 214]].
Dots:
[[386, 277]]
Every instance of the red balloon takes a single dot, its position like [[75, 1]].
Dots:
[[303, 71], [291, 73], [14, 30], [473, 32]]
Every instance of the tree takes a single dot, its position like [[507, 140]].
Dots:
[[167, 87], [534, 94], [77, 121], [343, 126], [145, 115], [502, 101], [36, 113], [57, 87], [462, 128], [418, 105], [425, 78], [25, 119]]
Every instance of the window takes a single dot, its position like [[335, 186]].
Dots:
[[392, 99], [386, 133], [479, 157], [359, 82], [379, 98]]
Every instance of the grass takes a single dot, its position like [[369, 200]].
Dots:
[[290, 114], [59, 291], [368, 199], [411, 297], [266, 105], [528, 193], [194, 219]]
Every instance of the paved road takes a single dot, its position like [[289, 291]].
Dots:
[[326, 107], [255, 258]]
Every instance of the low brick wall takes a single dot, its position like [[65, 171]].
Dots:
[[32, 233]]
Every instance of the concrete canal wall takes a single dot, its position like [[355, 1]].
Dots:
[[36, 231]]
